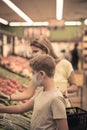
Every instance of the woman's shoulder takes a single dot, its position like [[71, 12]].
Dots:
[[64, 61], [65, 64]]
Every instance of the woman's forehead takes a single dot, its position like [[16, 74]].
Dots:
[[35, 49]]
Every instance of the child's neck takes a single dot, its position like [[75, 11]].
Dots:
[[49, 84]]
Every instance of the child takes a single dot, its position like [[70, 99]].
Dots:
[[48, 104]]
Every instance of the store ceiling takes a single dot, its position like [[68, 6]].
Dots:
[[44, 10]]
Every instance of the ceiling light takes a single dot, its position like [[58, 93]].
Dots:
[[3, 21], [17, 10], [85, 21], [28, 24], [59, 9], [72, 23], [40, 23]]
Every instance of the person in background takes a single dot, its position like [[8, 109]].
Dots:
[[64, 74], [49, 111], [75, 57]]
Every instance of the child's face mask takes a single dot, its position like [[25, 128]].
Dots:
[[37, 82]]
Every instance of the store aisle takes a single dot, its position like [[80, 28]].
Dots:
[[79, 99], [84, 104]]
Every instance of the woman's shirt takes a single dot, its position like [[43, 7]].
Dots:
[[62, 73]]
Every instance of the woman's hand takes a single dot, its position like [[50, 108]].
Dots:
[[64, 92]]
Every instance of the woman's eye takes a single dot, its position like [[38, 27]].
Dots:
[[35, 51]]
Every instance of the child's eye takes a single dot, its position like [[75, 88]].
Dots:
[[33, 72]]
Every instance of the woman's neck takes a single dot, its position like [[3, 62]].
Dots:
[[58, 60]]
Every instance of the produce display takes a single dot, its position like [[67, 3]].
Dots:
[[14, 122], [16, 64], [9, 86]]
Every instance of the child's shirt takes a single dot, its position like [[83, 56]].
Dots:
[[48, 106]]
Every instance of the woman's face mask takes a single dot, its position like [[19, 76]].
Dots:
[[36, 54], [37, 51]]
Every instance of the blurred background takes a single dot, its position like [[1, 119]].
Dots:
[[63, 22]]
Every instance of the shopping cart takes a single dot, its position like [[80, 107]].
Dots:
[[77, 118]]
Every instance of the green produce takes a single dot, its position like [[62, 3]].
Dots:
[[14, 122]]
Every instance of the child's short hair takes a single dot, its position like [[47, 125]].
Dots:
[[45, 63]]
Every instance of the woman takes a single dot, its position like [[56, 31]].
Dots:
[[64, 75]]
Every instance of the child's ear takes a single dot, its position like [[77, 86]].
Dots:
[[42, 74]]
